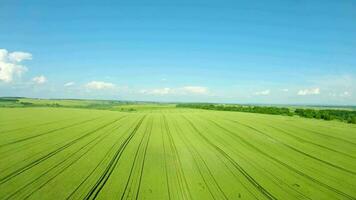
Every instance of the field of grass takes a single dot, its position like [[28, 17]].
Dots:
[[67, 153]]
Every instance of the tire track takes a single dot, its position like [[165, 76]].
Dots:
[[276, 179], [143, 165], [259, 187], [35, 125], [197, 156], [325, 135], [95, 190], [288, 166], [182, 181], [99, 138], [312, 143], [136, 158], [51, 154], [129, 179], [297, 150], [97, 166], [49, 132], [165, 161]]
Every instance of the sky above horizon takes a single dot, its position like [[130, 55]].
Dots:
[[280, 52]]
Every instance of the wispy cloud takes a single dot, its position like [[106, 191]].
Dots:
[[285, 90], [311, 91], [158, 91], [345, 94], [186, 90], [19, 56], [39, 79], [99, 85], [195, 90], [9, 64], [68, 84], [263, 93]]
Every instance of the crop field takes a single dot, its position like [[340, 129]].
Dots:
[[67, 153]]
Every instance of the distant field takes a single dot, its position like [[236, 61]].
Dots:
[[145, 107], [167, 153]]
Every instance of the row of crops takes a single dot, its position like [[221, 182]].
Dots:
[[62, 153]]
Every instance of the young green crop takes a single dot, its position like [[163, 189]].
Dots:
[[63, 153]]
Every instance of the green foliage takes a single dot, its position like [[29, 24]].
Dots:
[[342, 115], [252, 109], [327, 114]]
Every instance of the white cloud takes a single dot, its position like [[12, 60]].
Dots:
[[263, 93], [311, 91], [158, 91], [99, 85], [19, 56], [285, 90], [186, 90], [39, 79], [9, 65], [345, 94], [195, 90], [69, 84]]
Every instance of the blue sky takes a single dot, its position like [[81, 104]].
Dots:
[[290, 51]]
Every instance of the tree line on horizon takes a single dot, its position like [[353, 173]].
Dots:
[[325, 114]]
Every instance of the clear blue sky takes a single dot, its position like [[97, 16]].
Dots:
[[287, 51]]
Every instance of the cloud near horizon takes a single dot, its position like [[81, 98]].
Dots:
[[311, 91], [68, 84], [263, 93], [186, 90], [100, 85], [39, 79]]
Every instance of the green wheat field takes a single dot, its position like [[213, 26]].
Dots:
[[173, 153]]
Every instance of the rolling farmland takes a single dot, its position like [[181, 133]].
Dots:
[[65, 153]]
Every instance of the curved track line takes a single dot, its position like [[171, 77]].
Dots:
[[297, 150], [290, 167], [48, 132], [95, 190], [49, 155], [266, 193]]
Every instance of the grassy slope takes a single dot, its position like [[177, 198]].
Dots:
[[54, 153]]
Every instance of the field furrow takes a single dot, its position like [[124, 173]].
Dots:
[[175, 154]]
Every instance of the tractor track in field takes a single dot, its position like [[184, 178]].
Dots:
[[182, 181], [259, 187], [143, 165], [98, 138], [51, 154], [98, 186], [186, 155], [130, 180], [49, 132], [295, 149], [236, 177], [304, 141], [197, 156], [199, 170], [312, 143], [98, 165], [325, 135], [35, 125], [165, 160], [277, 180], [290, 167]]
